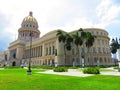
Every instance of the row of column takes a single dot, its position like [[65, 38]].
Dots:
[[35, 52], [42, 62], [26, 35], [42, 50]]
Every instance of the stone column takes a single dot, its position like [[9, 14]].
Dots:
[[43, 49], [50, 62], [83, 62], [47, 62]]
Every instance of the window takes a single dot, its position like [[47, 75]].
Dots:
[[104, 33], [6, 57], [103, 50], [92, 33], [73, 51], [105, 60], [98, 42], [94, 50], [82, 50], [99, 50], [88, 60], [27, 25], [46, 51], [100, 60], [40, 50], [23, 34], [95, 60], [14, 55], [103, 42], [88, 50], [53, 51], [49, 50], [97, 33]]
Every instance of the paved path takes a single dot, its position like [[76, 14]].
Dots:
[[111, 72], [1, 68], [71, 72], [75, 72]]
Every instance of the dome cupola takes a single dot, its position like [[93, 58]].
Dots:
[[29, 25], [29, 22]]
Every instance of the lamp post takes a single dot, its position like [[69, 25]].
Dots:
[[29, 71]]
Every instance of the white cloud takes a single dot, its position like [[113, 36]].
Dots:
[[103, 7], [107, 13], [78, 23]]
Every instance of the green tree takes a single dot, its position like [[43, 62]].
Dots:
[[78, 42], [66, 39], [69, 40], [114, 46], [62, 38], [89, 41]]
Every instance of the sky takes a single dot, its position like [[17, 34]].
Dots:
[[67, 15]]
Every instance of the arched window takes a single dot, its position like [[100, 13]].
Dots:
[[14, 55], [27, 25]]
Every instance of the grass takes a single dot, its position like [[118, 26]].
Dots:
[[17, 79]]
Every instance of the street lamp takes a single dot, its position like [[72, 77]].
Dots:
[[29, 71]]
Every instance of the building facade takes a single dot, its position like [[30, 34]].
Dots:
[[47, 50]]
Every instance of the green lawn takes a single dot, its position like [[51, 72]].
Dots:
[[17, 79]]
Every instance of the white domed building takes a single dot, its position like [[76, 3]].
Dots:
[[41, 50], [29, 25]]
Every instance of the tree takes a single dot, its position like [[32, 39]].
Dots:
[[113, 47], [66, 39], [89, 40], [77, 41], [69, 40], [62, 38]]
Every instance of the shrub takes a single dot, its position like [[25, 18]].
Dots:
[[91, 70], [116, 67], [60, 69]]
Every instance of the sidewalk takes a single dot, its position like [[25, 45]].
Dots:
[[76, 72], [71, 72], [1, 68]]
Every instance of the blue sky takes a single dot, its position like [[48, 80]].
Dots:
[[68, 15]]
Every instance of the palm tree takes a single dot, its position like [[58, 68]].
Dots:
[[69, 40], [89, 40], [66, 39], [78, 42], [113, 47], [62, 38]]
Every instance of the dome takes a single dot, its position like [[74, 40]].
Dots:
[[30, 18], [29, 21], [29, 25]]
